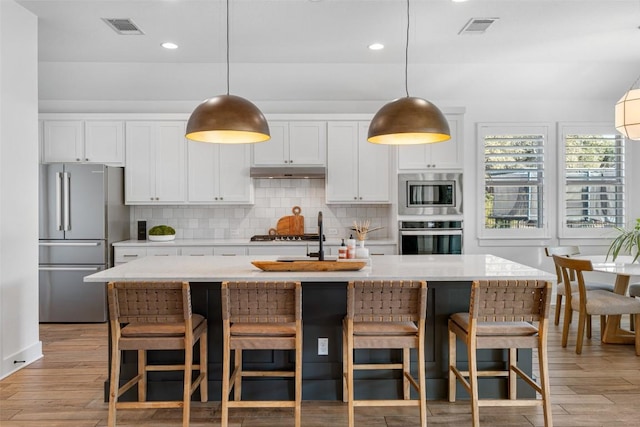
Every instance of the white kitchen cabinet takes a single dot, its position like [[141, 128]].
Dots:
[[125, 254], [440, 155], [357, 171], [160, 251], [219, 173], [155, 170], [295, 143], [77, 141]]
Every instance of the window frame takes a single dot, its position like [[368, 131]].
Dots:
[[594, 128], [544, 129]]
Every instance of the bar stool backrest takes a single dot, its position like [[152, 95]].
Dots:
[[149, 302], [261, 302], [509, 301], [387, 301]]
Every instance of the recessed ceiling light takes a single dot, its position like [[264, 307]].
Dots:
[[376, 46], [169, 45], [458, 1]]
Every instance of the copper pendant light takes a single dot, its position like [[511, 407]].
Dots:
[[227, 119], [627, 113], [408, 120]]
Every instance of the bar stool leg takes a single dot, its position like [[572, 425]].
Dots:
[[226, 362], [237, 386], [186, 396], [142, 373], [204, 386], [114, 381], [406, 371], [345, 388], [422, 381], [513, 379], [473, 381], [452, 363]]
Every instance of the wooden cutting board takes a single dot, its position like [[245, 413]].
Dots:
[[309, 265], [292, 225]]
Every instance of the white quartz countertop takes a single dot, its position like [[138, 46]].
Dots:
[[240, 242], [384, 267]]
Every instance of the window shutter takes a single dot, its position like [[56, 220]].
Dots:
[[594, 181], [514, 180]]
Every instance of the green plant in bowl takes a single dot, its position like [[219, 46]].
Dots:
[[628, 241], [161, 230]]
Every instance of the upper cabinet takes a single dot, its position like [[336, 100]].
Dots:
[[155, 171], [357, 171], [295, 143], [219, 173], [441, 155], [78, 141]]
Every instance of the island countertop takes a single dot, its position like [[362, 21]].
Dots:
[[387, 267]]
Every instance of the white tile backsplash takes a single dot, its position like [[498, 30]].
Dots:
[[274, 198]]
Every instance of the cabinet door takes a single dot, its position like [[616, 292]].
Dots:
[[448, 154], [373, 168], [233, 177], [139, 172], [170, 150], [440, 155], [104, 142], [414, 156], [307, 143], [275, 151], [342, 161], [63, 141], [202, 172]]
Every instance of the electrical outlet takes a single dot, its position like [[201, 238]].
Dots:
[[323, 346]]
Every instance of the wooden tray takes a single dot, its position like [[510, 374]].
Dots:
[[309, 265]]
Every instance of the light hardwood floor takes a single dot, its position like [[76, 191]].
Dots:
[[601, 387]]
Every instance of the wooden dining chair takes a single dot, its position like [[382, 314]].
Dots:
[[155, 316], [569, 251], [499, 317], [260, 316], [592, 302], [385, 315]]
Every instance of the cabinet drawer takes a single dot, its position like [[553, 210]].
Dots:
[[162, 251], [196, 251], [229, 250], [123, 255]]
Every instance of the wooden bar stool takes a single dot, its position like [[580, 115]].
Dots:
[[499, 317], [386, 315], [260, 316], [155, 316]]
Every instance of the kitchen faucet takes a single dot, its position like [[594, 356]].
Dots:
[[320, 249]]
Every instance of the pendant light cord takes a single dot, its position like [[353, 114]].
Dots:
[[227, 47], [406, 56]]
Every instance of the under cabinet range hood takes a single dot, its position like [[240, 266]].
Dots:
[[290, 172]]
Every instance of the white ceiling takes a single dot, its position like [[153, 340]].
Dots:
[[317, 50]]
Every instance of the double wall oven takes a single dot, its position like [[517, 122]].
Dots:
[[430, 213]]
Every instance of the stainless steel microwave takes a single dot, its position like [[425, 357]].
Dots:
[[433, 193]]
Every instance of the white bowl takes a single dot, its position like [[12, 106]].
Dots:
[[163, 238]]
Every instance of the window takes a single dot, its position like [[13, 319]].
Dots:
[[592, 171], [514, 181]]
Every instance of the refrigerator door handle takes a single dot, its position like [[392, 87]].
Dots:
[[69, 268], [69, 244], [59, 200], [66, 202]]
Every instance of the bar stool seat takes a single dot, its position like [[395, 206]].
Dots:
[[155, 316], [385, 315], [260, 316]]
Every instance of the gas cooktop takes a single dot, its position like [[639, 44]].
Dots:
[[286, 237]]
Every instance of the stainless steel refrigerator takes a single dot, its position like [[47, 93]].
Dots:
[[82, 212]]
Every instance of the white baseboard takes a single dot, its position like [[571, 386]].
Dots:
[[19, 360]]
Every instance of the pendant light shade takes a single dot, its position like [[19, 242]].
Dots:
[[627, 114], [407, 121], [227, 119]]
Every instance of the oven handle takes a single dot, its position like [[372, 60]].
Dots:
[[451, 232]]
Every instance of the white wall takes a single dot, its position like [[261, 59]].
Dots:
[[19, 341]]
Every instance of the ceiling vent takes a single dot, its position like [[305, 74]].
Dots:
[[123, 26], [477, 25]]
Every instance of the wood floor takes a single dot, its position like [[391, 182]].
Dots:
[[601, 387]]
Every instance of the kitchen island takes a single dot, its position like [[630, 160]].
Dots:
[[324, 305]]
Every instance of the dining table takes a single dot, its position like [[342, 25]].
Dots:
[[624, 268]]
